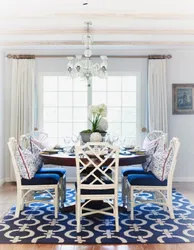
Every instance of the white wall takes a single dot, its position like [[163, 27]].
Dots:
[[125, 65], [180, 69], [1, 117]]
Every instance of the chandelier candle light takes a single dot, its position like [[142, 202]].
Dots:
[[84, 68], [97, 114]]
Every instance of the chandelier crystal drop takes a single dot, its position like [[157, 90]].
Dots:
[[82, 66]]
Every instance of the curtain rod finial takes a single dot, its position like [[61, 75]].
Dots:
[[169, 56]]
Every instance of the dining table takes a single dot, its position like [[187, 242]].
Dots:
[[64, 159], [69, 160]]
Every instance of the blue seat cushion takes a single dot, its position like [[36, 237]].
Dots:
[[145, 180], [42, 179], [133, 170], [60, 171]]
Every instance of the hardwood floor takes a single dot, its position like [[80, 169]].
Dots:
[[186, 246], [8, 197]]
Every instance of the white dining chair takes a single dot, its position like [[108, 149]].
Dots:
[[152, 136], [26, 141], [94, 162], [155, 181], [26, 187]]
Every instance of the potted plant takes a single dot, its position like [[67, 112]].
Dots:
[[99, 124]]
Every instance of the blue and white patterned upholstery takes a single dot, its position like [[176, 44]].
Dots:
[[26, 163], [161, 163], [151, 147], [36, 150]]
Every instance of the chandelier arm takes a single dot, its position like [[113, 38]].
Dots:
[[84, 68]]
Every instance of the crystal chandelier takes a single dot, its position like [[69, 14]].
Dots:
[[83, 67]]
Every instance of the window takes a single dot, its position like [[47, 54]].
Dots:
[[63, 104]]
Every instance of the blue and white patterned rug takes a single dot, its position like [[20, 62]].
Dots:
[[37, 224]]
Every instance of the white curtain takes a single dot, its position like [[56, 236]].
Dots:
[[157, 95], [21, 106]]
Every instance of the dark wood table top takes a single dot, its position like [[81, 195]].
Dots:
[[66, 160]]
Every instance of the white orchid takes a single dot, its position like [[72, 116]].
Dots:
[[97, 112], [102, 109]]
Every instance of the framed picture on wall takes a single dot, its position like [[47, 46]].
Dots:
[[182, 99]]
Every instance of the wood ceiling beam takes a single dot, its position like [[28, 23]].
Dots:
[[97, 32], [101, 43], [92, 15]]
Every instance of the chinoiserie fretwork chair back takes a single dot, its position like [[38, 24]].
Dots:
[[26, 187], [97, 179], [39, 135], [153, 136], [162, 189]]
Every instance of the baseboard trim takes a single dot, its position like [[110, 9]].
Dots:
[[71, 179], [2, 181], [183, 179], [8, 179]]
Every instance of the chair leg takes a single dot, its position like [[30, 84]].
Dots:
[[22, 200], [169, 203], [128, 197], [116, 213], [61, 192], [124, 187], [18, 202], [78, 214], [56, 201], [132, 203], [64, 189]]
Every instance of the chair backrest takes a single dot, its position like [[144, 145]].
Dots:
[[155, 135], [13, 146], [39, 135], [97, 166], [174, 146], [25, 141]]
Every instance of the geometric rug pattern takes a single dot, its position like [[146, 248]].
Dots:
[[152, 224]]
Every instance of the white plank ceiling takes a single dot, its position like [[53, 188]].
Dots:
[[116, 25]]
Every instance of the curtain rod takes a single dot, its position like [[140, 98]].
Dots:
[[111, 56]]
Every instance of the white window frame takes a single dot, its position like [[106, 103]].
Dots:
[[140, 103]]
